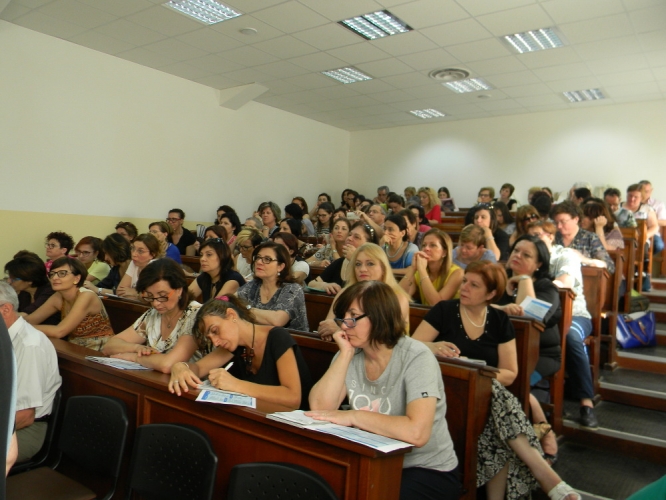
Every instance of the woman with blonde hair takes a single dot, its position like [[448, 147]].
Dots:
[[433, 274], [369, 263], [246, 241], [525, 215], [431, 204]]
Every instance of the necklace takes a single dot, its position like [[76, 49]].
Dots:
[[485, 313], [397, 251], [248, 354], [170, 321]]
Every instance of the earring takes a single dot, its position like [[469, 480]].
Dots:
[[234, 320], [278, 273]]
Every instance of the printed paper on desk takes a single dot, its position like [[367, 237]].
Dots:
[[227, 398], [120, 364], [535, 308]]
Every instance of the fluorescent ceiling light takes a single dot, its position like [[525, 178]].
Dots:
[[427, 113], [204, 11], [469, 85], [376, 25], [531, 41], [584, 95], [347, 75]]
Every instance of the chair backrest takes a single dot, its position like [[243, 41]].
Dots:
[[94, 430], [277, 480], [172, 461]]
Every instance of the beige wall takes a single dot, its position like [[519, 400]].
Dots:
[[604, 145], [105, 139]]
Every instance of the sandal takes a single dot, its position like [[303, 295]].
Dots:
[[562, 491], [541, 429]]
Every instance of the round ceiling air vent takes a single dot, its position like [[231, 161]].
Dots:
[[448, 75]]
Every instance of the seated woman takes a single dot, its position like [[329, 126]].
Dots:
[[270, 214], [232, 225], [333, 278], [322, 198], [246, 241], [397, 379], [267, 362], [162, 336], [145, 248], [25, 273], [509, 456], [217, 277], [89, 252], [83, 318], [598, 219], [161, 230], [505, 220], [472, 247], [433, 274], [431, 205], [399, 250], [127, 230], [369, 263], [333, 249], [446, 202], [274, 298], [221, 210], [324, 222], [294, 211], [525, 215], [253, 223], [419, 213], [414, 233], [483, 215], [295, 228], [340, 213], [211, 233], [117, 255], [58, 244], [505, 196], [299, 268]]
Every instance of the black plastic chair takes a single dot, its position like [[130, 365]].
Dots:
[[172, 461], [92, 439], [273, 480], [44, 456]]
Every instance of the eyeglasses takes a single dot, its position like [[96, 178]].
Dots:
[[51, 246], [155, 232], [263, 258], [246, 247], [159, 298], [529, 217], [12, 280], [61, 274], [348, 322], [85, 253], [489, 206], [140, 251], [173, 219]]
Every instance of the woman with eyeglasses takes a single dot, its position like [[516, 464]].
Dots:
[[525, 215], [83, 318], [497, 241], [217, 275], [262, 361], [394, 387], [161, 230], [145, 248], [324, 222], [25, 273], [248, 239], [273, 296], [333, 278], [162, 336], [89, 252]]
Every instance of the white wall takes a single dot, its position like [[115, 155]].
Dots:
[[604, 145]]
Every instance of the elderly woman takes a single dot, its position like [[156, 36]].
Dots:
[[431, 205], [253, 223], [380, 369], [270, 215], [217, 277], [483, 215], [83, 318], [266, 363], [117, 255], [274, 297], [598, 219], [89, 252], [145, 248], [433, 275], [161, 230], [525, 215], [299, 268], [127, 230], [333, 249], [399, 250], [509, 457], [25, 273], [162, 336], [232, 225], [246, 241], [472, 247]]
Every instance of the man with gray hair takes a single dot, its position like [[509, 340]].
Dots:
[[382, 194], [37, 375]]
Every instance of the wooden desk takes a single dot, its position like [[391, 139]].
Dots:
[[238, 435], [192, 262]]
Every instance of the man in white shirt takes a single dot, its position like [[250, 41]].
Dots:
[[657, 206], [37, 375]]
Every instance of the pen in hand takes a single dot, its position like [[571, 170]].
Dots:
[[229, 366]]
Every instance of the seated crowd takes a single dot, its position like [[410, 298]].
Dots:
[[376, 257]]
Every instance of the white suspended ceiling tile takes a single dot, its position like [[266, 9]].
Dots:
[[285, 47], [336, 92], [497, 66], [77, 13], [217, 82], [550, 57], [233, 27], [513, 79], [659, 73], [626, 78], [554, 73], [371, 86], [146, 57], [281, 69], [328, 105], [354, 54], [516, 20], [215, 63], [622, 45], [119, 8], [601, 28], [649, 19], [393, 3], [404, 43], [411, 104], [564, 85], [328, 36], [337, 11], [48, 25], [32, 4], [248, 75], [209, 40], [409, 80], [248, 56], [475, 97], [291, 17], [632, 89], [385, 67], [101, 42], [467, 30], [175, 49], [625, 64], [463, 108], [356, 101], [640, 4], [479, 50], [165, 21], [566, 11], [549, 107], [480, 7], [504, 104], [393, 96], [655, 40], [249, 6], [433, 90], [540, 100], [130, 32], [430, 60], [13, 11], [425, 13], [280, 87], [319, 61], [377, 109], [311, 81], [528, 90], [656, 57]]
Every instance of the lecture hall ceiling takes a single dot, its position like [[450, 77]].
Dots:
[[617, 46]]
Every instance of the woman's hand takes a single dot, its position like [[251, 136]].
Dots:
[[144, 350], [342, 340], [127, 292], [421, 263], [222, 379], [334, 416], [445, 349], [513, 282], [127, 356], [181, 378], [90, 286], [332, 288], [513, 310], [348, 250], [196, 245], [600, 221], [326, 329]]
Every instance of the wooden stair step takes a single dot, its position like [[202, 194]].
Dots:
[[656, 296], [633, 387], [659, 311], [658, 283], [649, 359]]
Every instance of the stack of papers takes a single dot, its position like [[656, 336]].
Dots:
[[298, 419], [210, 394], [120, 364]]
